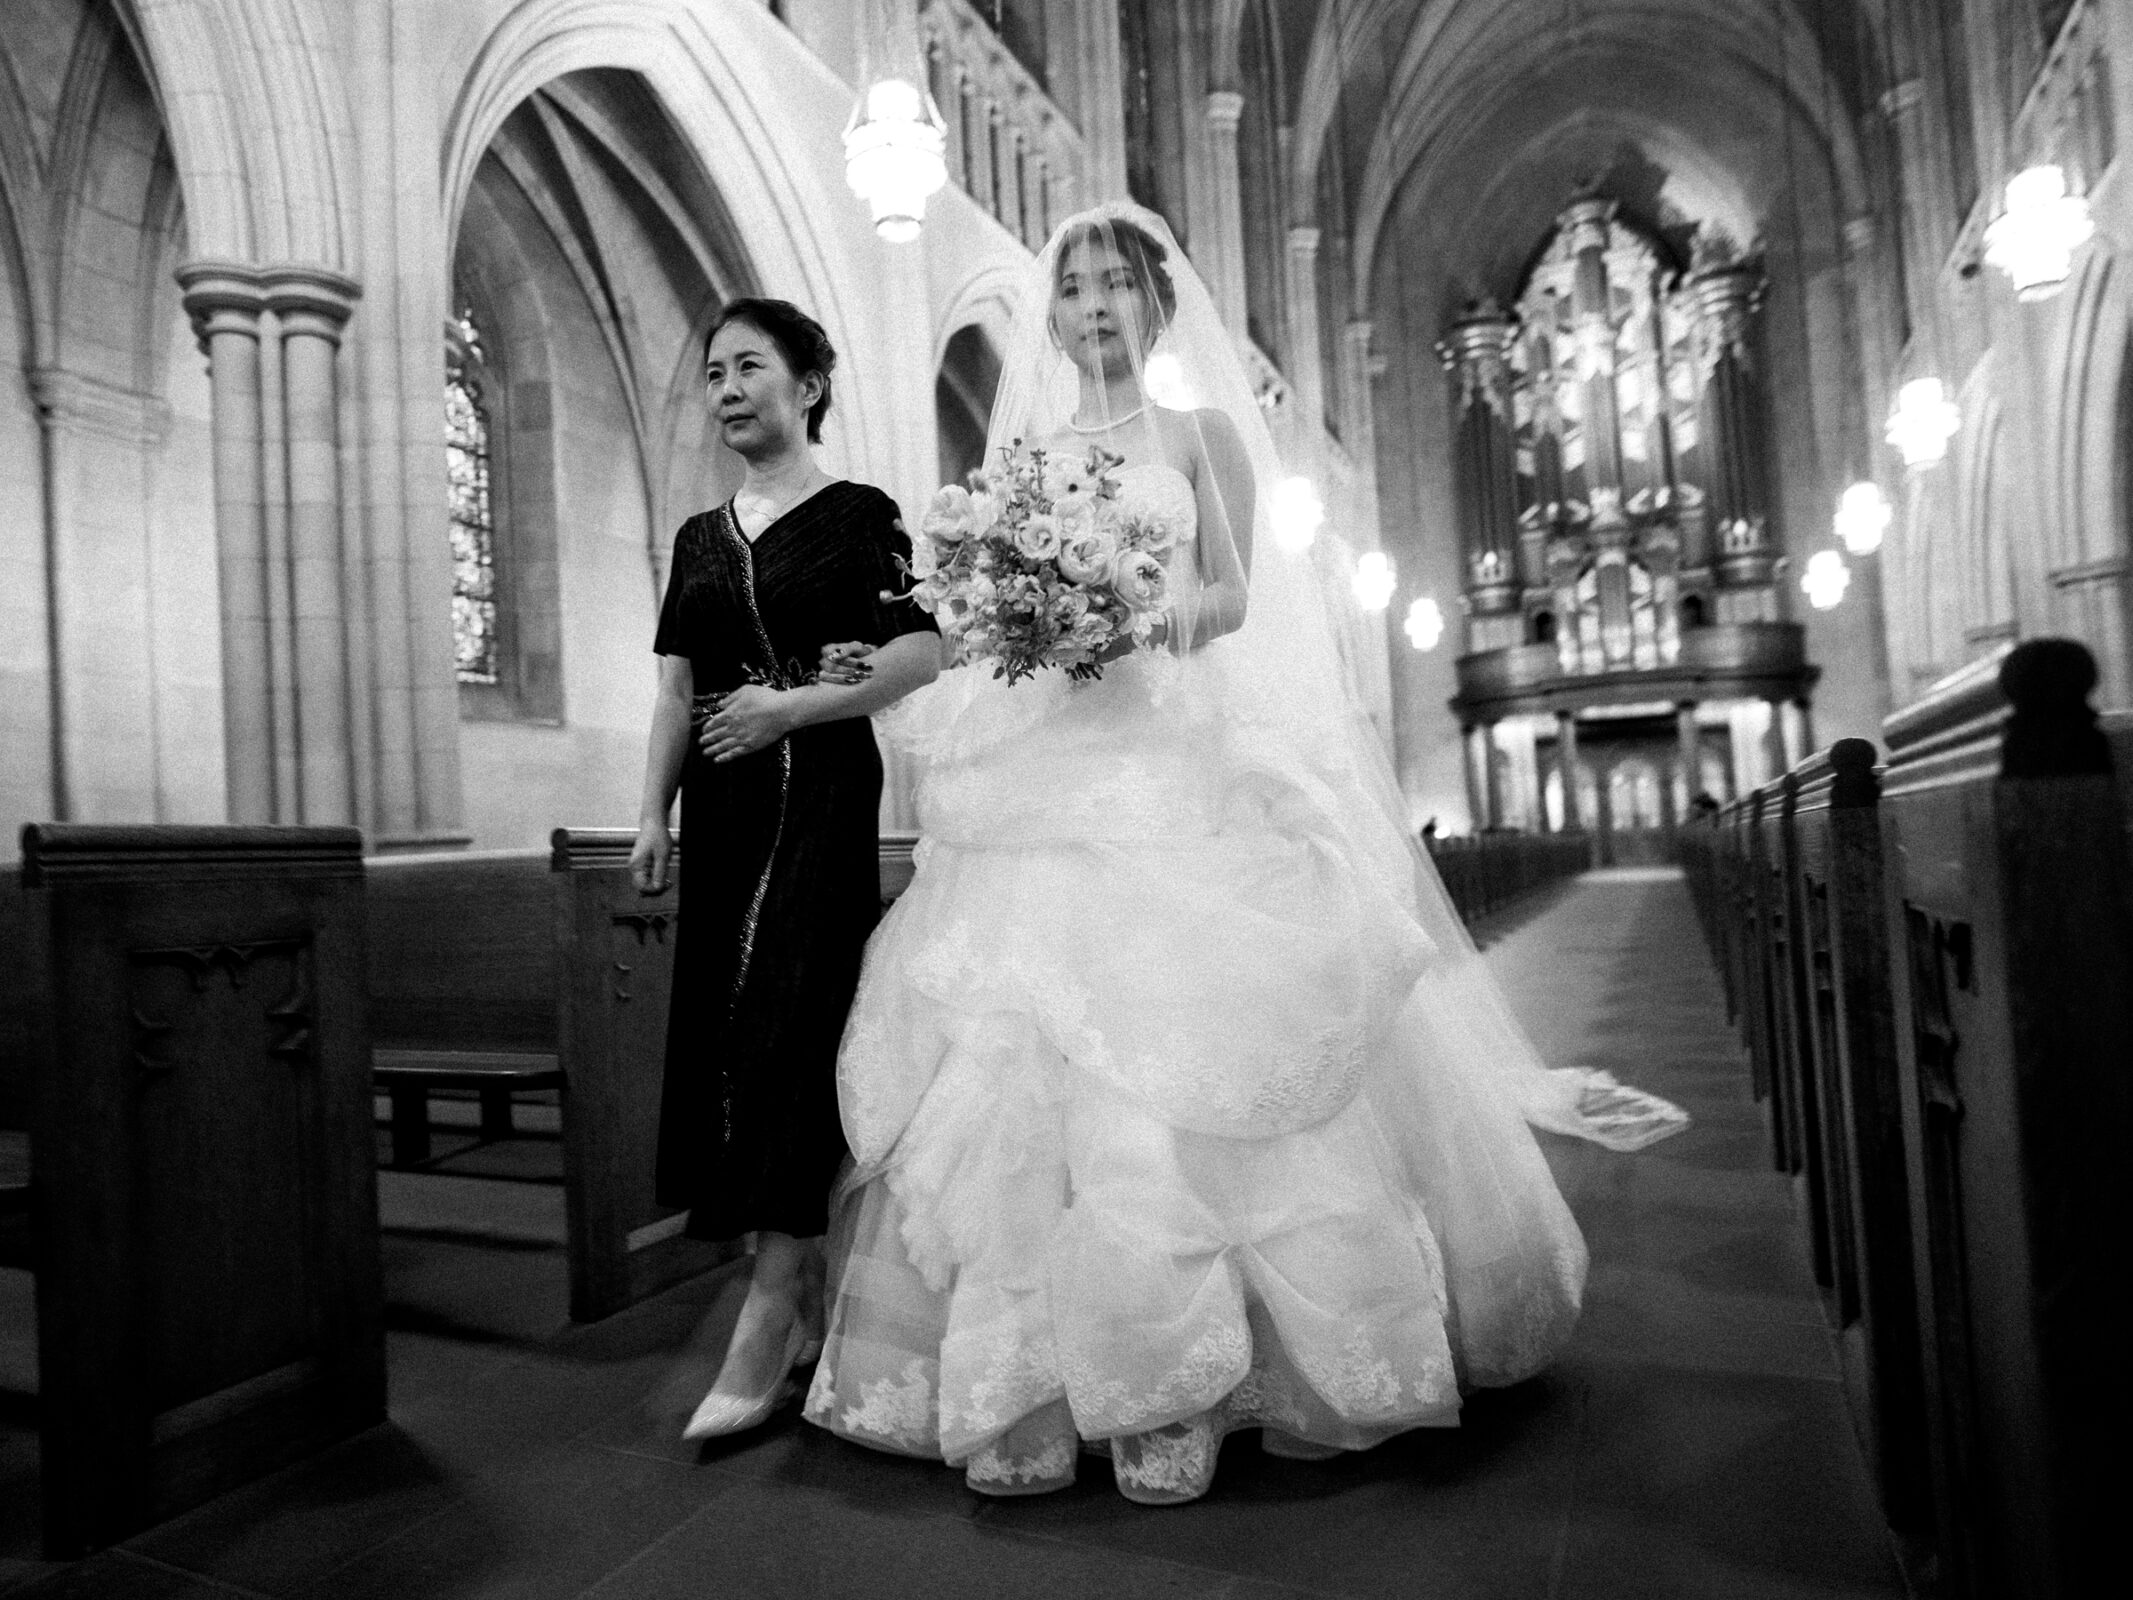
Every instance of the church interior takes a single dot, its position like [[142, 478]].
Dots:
[[1713, 420]]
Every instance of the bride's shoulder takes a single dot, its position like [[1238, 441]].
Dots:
[[1204, 434]]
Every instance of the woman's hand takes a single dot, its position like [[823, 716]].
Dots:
[[845, 663], [751, 718], [652, 856]]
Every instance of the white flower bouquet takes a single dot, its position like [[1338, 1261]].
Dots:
[[1038, 564]]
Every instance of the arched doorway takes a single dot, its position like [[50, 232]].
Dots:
[[962, 401]]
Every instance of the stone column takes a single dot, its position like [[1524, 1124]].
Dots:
[[224, 303], [1306, 358], [1358, 406], [99, 599], [1775, 758], [1476, 801], [1476, 353], [1566, 767], [1691, 746], [1221, 249], [311, 306], [1491, 777]]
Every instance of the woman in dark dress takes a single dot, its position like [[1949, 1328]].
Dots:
[[783, 787]]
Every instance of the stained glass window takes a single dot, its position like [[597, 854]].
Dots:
[[466, 456]]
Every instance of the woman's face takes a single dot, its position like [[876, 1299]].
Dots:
[[761, 407], [1101, 315]]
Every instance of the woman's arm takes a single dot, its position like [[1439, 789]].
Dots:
[[653, 852], [753, 717], [1222, 486]]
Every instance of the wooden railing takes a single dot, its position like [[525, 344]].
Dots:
[[1931, 965], [1009, 146]]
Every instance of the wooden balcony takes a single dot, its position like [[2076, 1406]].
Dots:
[[1725, 661]]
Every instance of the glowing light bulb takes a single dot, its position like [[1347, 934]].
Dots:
[[2033, 241], [1862, 518], [1375, 580], [1924, 420], [894, 156], [1164, 378], [1297, 512], [1826, 579], [1425, 624]]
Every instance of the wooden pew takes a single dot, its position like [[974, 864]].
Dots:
[[2007, 896], [203, 1204], [513, 970], [1849, 1041], [15, 1012]]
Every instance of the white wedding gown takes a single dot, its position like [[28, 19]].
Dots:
[[1158, 1102]]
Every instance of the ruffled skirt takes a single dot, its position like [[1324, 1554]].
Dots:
[[1164, 1127]]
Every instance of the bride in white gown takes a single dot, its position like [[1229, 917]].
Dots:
[[1179, 1101]]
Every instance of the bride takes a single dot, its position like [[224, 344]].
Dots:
[[1179, 1102]]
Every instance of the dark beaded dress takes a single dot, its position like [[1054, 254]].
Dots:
[[783, 883]]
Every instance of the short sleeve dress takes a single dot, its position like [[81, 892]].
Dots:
[[783, 883]]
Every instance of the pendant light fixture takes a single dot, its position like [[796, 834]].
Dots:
[[895, 145], [2033, 241]]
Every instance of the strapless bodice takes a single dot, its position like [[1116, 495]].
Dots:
[[1156, 489]]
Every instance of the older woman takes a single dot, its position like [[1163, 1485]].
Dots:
[[784, 785]]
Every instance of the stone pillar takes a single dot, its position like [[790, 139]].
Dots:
[[1689, 742], [1566, 768], [99, 600], [1101, 112], [224, 303], [1307, 396], [1358, 406], [311, 306], [1491, 777], [1221, 249], [292, 728], [1476, 352], [1776, 759]]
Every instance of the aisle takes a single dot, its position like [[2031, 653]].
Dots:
[[1692, 1444]]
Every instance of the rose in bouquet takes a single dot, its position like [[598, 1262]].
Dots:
[[1038, 563]]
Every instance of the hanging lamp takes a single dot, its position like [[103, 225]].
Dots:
[[2033, 241]]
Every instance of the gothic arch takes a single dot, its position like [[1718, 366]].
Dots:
[[259, 127], [730, 125]]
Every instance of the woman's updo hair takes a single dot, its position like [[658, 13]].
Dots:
[[799, 338], [1136, 247]]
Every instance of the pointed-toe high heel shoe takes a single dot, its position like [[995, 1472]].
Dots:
[[719, 1416]]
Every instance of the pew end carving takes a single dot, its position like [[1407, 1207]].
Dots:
[[204, 1235]]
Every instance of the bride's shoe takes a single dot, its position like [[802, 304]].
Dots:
[[1167, 1466], [719, 1415], [1035, 1456]]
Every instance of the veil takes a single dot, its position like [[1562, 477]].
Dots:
[[1258, 625]]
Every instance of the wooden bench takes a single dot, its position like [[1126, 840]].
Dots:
[[2010, 918], [202, 1208], [509, 972], [1849, 1045], [1486, 871]]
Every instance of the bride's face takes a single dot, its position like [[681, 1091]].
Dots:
[[1101, 315]]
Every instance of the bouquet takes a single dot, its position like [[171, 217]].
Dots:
[[1039, 564]]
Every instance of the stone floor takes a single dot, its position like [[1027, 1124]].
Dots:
[[1693, 1442]]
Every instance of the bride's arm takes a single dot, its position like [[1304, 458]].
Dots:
[[1222, 487]]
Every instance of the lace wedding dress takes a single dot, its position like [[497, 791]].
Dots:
[[1162, 1105]]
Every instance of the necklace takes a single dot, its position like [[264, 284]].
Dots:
[[1106, 427]]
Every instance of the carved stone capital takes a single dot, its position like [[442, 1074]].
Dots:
[[310, 300], [221, 297], [83, 404], [1303, 242]]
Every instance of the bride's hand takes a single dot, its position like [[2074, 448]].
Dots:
[[845, 663], [749, 719]]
